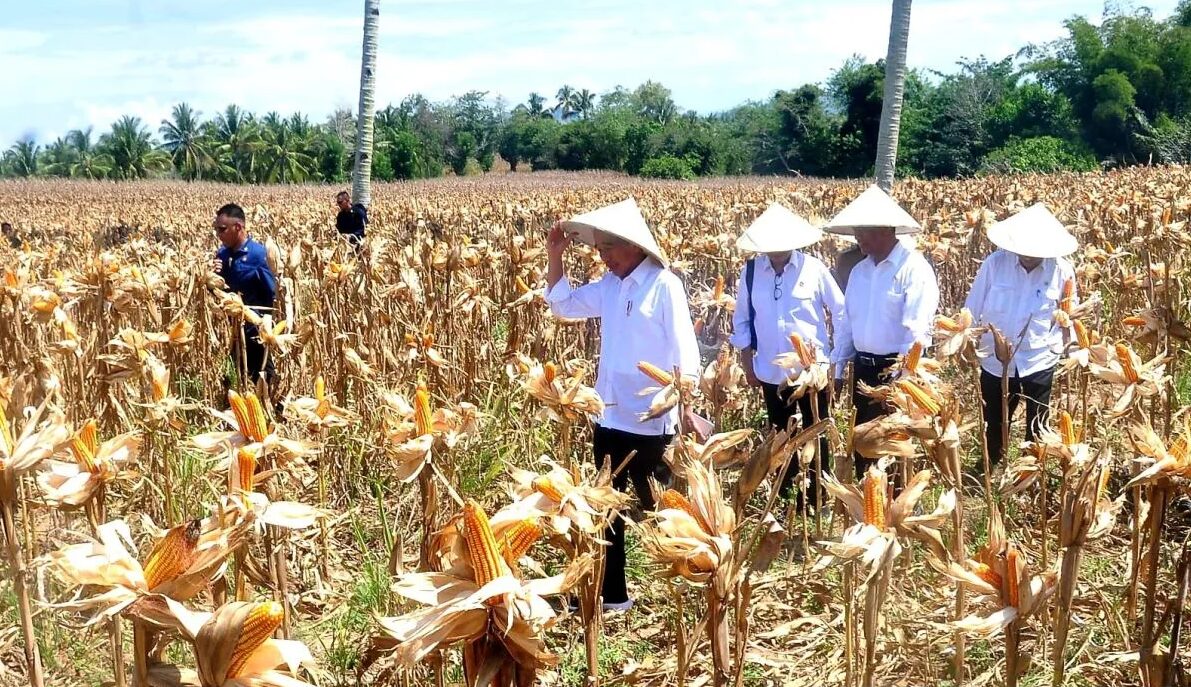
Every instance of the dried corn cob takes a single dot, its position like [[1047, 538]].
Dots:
[[947, 324], [83, 446], [805, 356], [1013, 565], [245, 469], [261, 623], [655, 373], [422, 410], [517, 539], [1081, 335], [482, 550], [549, 371], [919, 396], [1125, 356], [912, 357], [173, 554], [874, 500], [1067, 303], [1067, 429], [544, 486], [1134, 321], [987, 574], [717, 291]]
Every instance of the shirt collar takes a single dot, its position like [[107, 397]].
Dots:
[[767, 266], [643, 271], [896, 257]]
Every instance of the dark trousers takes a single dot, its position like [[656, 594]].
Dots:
[[781, 409], [1035, 389], [254, 359], [873, 370], [647, 462]]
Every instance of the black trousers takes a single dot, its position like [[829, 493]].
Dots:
[[1035, 389], [873, 371], [254, 359], [647, 462], [780, 409]]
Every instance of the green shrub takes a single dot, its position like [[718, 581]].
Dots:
[[1041, 154], [667, 167]]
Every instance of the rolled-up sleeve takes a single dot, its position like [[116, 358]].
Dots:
[[921, 306], [571, 303], [741, 324]]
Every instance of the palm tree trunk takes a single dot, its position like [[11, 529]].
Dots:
[[895, 83], [362, 173]]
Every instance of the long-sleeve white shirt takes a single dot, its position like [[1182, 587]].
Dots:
[[888, 306], [793, 302], [644, 317], [1021, 306]]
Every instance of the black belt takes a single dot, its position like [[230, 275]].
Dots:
[[873, 360]]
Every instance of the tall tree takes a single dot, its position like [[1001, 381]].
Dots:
[[182, 138], [89, 161], [131, 148], [895, 86], [585, 102], [22, 157], [566, 99], [362, 173]]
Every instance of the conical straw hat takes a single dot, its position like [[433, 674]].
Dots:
[[873, 209], [1034, 233], [621, 219], [778, 230]]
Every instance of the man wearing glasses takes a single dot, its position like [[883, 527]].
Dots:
[[783, 291], [244, 266]]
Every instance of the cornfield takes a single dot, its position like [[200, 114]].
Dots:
[[414, 500]]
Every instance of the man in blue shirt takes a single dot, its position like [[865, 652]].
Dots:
[[244, 266]]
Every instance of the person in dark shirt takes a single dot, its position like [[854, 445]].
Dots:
[[351, 219], [244, 266], [10, 235]]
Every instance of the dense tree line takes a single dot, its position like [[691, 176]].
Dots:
[[1113, 93]]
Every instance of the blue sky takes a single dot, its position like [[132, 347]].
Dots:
[[77, 63]]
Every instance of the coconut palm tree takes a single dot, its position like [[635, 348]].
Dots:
[[131, 148], [284, 154], [895, 83], [239, 141], [183, 139], [362, 173], [585, 102], [21, 158], [57, 158], [89, 161]]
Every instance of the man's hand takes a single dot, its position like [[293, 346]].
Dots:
[[216, 266], [557, 241]]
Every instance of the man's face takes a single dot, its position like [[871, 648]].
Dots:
[[620, 256], [6, 229], [876, 242], [344, 202], [231, 231], [1028, 263]]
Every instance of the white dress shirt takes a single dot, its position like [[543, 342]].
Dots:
[[888, 306], [793, 302], [1021, 306], [644, 317]]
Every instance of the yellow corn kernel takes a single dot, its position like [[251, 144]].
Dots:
[[256, 416], [482, 550], [261, 623], [947, 324], [544, 486], [245, 469], [919, 396], [717, 292], [83, 446], [874, 500], [1125, 356], [422, 410], [550, 371], [1013, 566], [1067, 303], [1067, 429], [671, 499], [173, 554], [1081, 335], [987, 574], [655, 373], [517, 539], [240, 409], [913, 356], [1134, 321], [10, 279]]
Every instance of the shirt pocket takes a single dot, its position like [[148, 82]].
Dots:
[[1042, 330], [800, 306], [998, 305]]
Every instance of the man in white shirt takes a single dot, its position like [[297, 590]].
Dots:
[[783, 291], [890, 301], [644, 316], [1017, 290]]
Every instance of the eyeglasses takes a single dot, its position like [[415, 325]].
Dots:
[[220, 228], [777, 287]]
